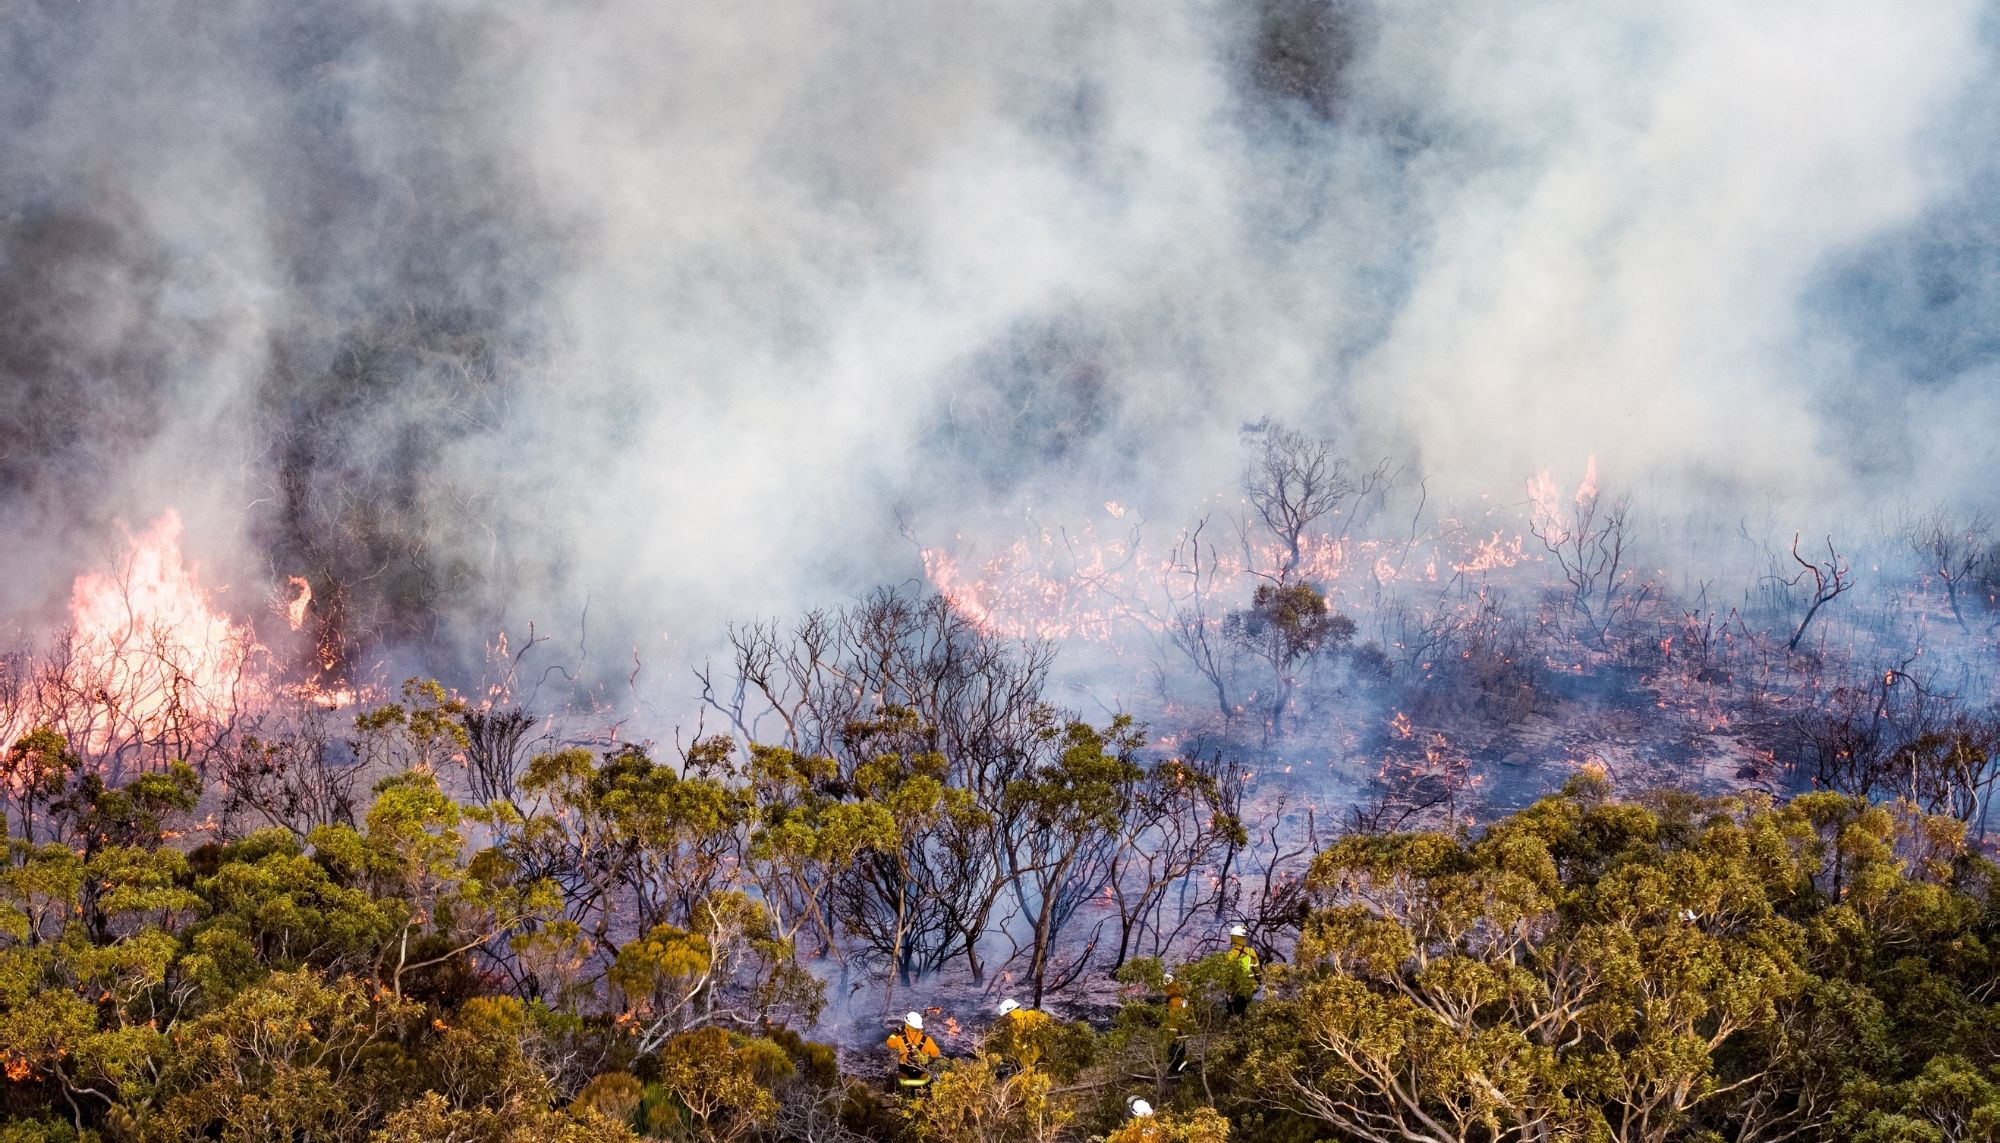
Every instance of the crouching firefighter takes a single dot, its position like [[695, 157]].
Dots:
[[1017, 1038], [915, 1051], [1141, 1127]]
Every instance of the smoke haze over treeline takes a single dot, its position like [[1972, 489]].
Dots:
[[664, 314]]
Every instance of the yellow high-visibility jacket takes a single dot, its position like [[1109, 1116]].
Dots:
[[1246, 956], [1018, 1035]]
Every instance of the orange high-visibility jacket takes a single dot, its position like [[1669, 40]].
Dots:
[[913, 1047]]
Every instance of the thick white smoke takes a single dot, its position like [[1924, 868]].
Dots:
[[681, 312]]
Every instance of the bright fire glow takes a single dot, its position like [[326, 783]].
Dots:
[[295, 611], [148, 641], [1550, 516]]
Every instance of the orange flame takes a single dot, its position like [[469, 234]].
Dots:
[[295, 611], [1490, 554], [1549, 514], [147, 639]]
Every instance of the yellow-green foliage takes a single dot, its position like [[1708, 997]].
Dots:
[[974, 1103], [618, 956]]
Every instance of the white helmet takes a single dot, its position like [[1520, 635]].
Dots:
[[1140, 1108], [914, 1020], [1008, 1005], [1168, 979], [1238, 930]]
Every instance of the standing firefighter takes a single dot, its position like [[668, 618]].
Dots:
[[1176, 1025], [1252, 976], [914, 1051], [1018, 1037]]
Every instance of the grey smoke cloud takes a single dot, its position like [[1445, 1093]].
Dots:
[[488, 310], [1625, 270]]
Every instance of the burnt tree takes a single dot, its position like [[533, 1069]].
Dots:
[[1588, 540], [1296, 483], [1193, 631], [1830, 580], [1955, 551]]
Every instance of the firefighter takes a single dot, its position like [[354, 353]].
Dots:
[[1017, 1036], [1253, 970], [1141, 1129], [914, 1051], [1177, 1060]]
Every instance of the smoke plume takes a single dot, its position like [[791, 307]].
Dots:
[[626, 318]]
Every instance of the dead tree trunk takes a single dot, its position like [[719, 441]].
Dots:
[[1829, 581]]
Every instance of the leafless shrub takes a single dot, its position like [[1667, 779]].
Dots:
[[976, 699], [1264, 885], [495, 752], [1296, 483], [289, 771], [1458, 657], [135, 707], [1949, 768], [1701, 641], [1193, 630], [1895, 736], [1390, 808], [1588, 540], [1176, 826], [1953, 549], [1830, 580]]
